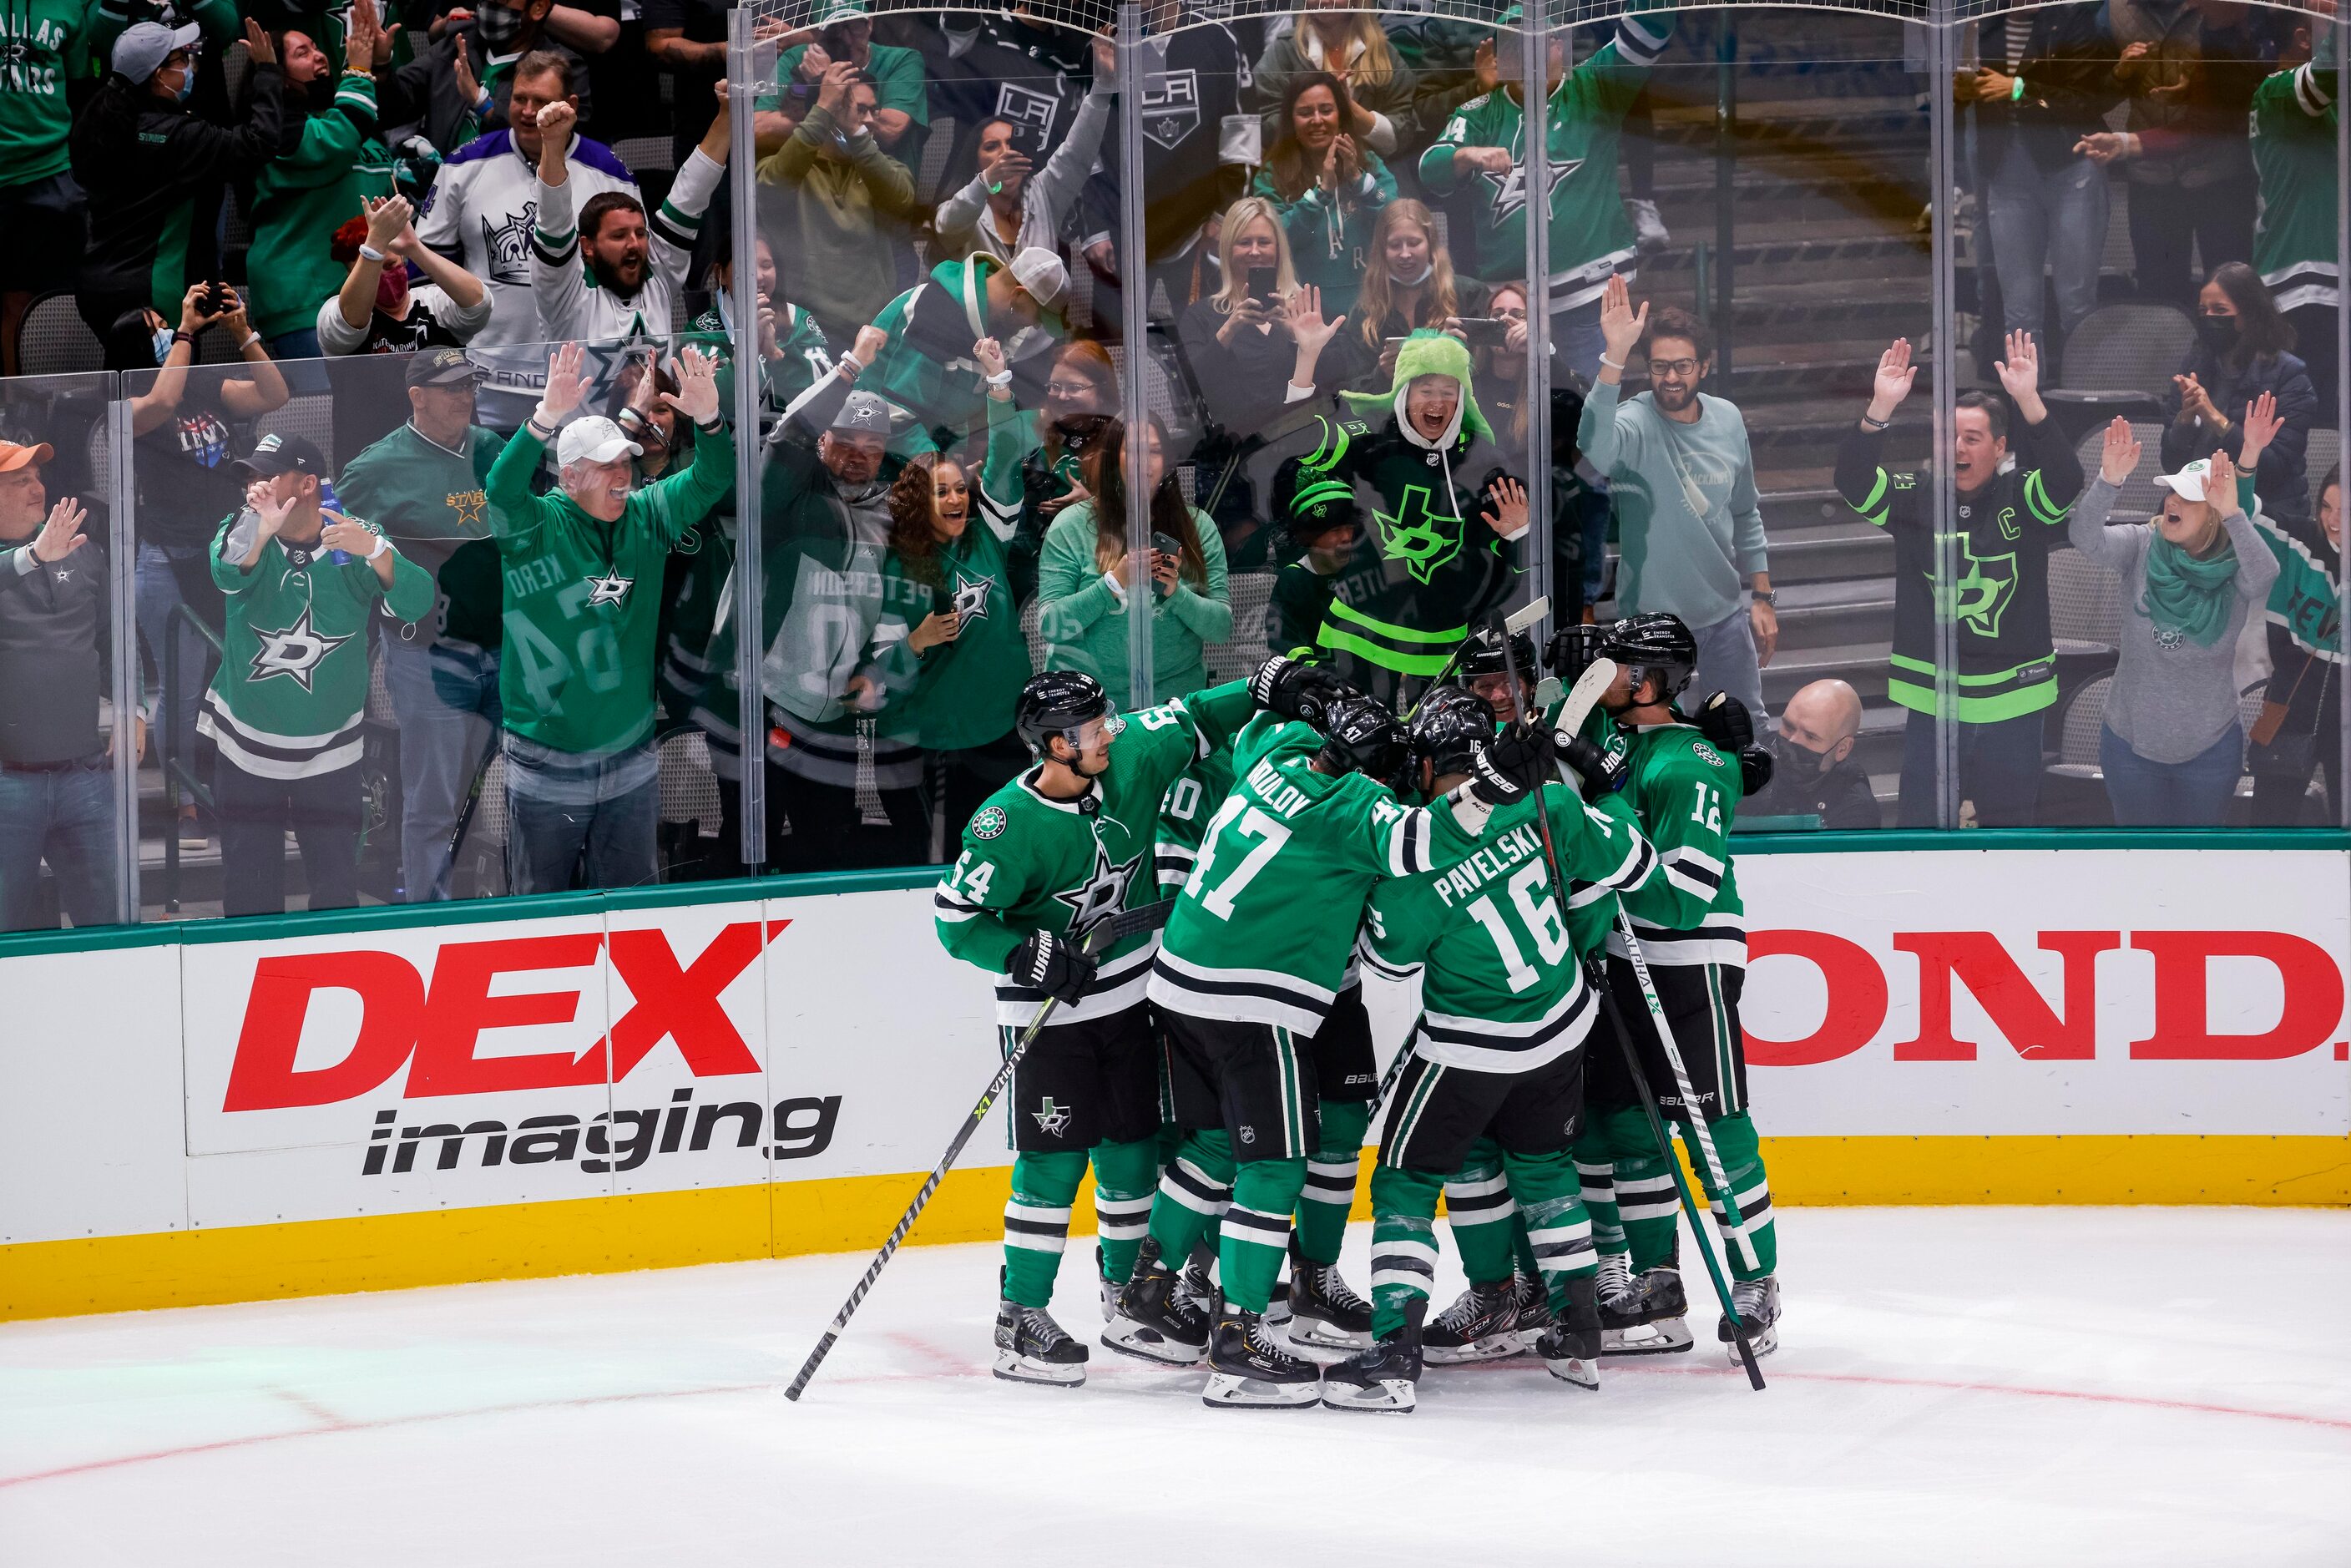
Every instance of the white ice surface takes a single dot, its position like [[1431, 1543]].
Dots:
[[1956, 1386]]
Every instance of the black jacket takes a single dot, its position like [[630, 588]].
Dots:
[[2068, 70], [1841, 797], [143, 160], [2282, 483], [420, 97], [54, 651]]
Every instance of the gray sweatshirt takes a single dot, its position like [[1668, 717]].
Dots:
[[2172, 700], [1687, 515]]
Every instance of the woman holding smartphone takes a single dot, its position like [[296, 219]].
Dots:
[[1082, 579]]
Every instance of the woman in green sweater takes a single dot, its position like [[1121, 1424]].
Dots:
[[1082, 591], [947, 653]]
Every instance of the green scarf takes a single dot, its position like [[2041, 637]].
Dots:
[[2187, 595]]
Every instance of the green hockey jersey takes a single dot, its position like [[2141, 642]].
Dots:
[[1687, 793], [293, 681], [1266, 927], [958, 694], [2293, 155], [432, 502], [1033, 863], [582, 597], [1503, 987], [1590, 237]]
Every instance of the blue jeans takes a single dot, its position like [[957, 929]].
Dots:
[[1999, 770], [1726, 662], [2191, 794], [1576, 340], [66, 816], [2056, 221], [591, 815], [446, 699]]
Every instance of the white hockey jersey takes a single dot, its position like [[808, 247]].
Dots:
[[574, 307]]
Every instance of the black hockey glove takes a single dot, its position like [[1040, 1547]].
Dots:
[[1573, 650], [1755, 764], [1724, 720], [1602, 772], [1512, 765], [1294, 688], [1052, 965]]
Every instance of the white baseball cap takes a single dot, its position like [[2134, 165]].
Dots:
[[1040, 271], [594, 439], [143, 48], [2189, 484]]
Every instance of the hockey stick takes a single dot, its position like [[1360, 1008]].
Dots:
[[1149, 918], [1672, 1165], [1513, 624]]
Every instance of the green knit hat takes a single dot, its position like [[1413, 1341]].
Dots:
[[1428, 354]]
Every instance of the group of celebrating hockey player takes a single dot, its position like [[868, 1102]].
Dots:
[[1220, 1077]]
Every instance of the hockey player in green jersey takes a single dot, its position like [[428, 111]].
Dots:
[[1243, 973], [583, 572], [1498, 1051], [1052, 855], [1692, 929], [1442, 516], [301, 583], [1483, 147]]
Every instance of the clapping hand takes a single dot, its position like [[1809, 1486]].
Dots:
[[989, 354], [387, 218], [2118, 456], [2194, 400]]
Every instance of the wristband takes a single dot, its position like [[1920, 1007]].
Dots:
[[1000, 379], [250, 339], [1869, 424], [2016, 93], [369, 252], [382, 545], [546, 434], [1612, 364], [711, 428], [188, 337]]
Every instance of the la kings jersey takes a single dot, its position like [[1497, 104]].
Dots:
[[1687, 793], [1266, 926], [1501, 987], [293, 679], [1033, 863], [2293, 155], [1590, 237]]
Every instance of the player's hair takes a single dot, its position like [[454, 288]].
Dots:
[[1441, 296], [1995, 411], [1673, 321], [1106, 479], [913, 503], [544, 62], [603, 205], [1239, 215]]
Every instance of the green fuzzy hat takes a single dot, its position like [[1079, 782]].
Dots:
[[1428, 353]]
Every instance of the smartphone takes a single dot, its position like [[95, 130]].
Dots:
[[1261, 285], [219, 298], [1167, 545]]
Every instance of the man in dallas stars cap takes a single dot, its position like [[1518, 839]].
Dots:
[[301, 580]]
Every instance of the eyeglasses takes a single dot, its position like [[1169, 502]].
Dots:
[[1510, 314], [1068, 389], [1673, 367]]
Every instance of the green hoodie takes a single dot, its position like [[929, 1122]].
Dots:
[[48, 44]]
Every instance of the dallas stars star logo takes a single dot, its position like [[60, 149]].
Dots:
[[469, 505], [971, 596], [1510, 187], [1985, 588], [1422, 539], [1101, 896], [610, 589], [297, 651], [1052, 1120]]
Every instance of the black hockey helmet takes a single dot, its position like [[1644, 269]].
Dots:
[[1453, 722], [1655, 643], [1059, 702], [1359, 735], [1483, 655]]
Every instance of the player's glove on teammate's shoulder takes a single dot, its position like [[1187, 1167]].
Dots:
[[1572, 650], [1294, 688], [1052, 965], [1512, 765], [1754, 771], [1600, 772], [1724, 720]]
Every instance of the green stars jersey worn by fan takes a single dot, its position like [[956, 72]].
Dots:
[[1032, 864], [958, 694], [293, 678], [430, 500], [582, 596], [1240, 944], [1502, 987], [2008, 663], [1590, 237], [2293, 116]]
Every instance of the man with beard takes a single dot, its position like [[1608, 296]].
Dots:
[[1817, 774], [636, 265], [1683, 484]]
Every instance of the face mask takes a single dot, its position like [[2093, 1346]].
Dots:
[[187, 83], [2217, 334], [498, 25], [1794, 759], [392, 290], [1401, 281], [162, 344]]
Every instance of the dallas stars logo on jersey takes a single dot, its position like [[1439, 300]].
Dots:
[[971, 596], [1101, 896], [297, 651], [1985, 588], [1422, 539], [1511, 188], [610, 589]]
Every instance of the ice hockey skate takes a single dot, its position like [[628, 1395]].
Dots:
[[1382, 1379], [1571, 1347], [1156, 1321], [1480, 1325], [1647, 1315], [1324, 1311], [1248, 1368], [1758, 1301], [1030, 1347]]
